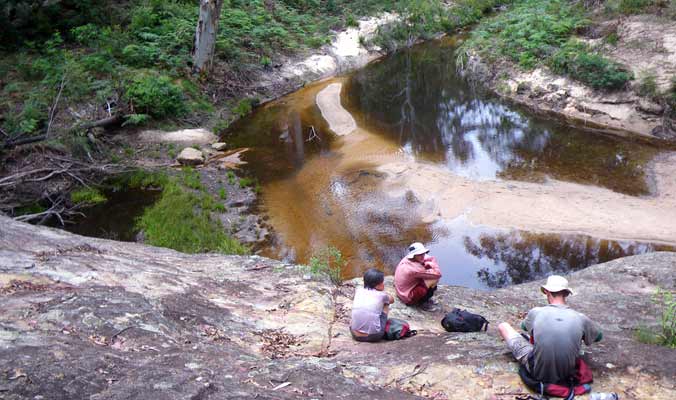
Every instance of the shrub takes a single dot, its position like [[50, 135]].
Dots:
[[87, 195], [575, 60], [191, 178], [245, 106], [176, 222], [666, 300], [647, 86], [329, 262], [529, 33], [155, 95], [633, 6], [666, 334]]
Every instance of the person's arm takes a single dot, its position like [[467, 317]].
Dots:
[[527, 324], [429, 271], [592, 332]]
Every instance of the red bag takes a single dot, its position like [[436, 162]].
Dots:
[[396, 329], [580, 382]]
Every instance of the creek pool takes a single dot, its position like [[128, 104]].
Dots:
[[322, 190]]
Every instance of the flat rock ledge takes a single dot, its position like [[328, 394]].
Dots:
[[85, 318]]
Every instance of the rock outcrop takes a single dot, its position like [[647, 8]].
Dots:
[[98, 319], [190, 156]]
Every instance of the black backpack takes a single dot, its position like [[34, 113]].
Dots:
[[464, 321]]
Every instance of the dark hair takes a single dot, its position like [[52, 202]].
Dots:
[[373, 278], [561, 293]]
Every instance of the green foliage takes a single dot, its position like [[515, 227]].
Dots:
[[628, 7], [232, 178], [665, 335], [576, 60], [155, 95], [536, 32], [671, 93], [666, 300], [246, 181], [87, 195], [136, 119], [528, 33], [328, 262], [424, 19], [646, 335], [221, 126], [612, 38], [33, 208], [191, 178], [647, 86], [143, 179], [176, 221], [23, 20], [350, 20], [245, 106], [222, 194]]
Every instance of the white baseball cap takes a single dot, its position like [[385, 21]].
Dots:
[[415, 249], [556, 283]]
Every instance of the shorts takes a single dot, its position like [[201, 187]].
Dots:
[[373, 337], [420, 294], [521, 349]]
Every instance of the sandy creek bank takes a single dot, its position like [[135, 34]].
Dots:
[[85, 318]]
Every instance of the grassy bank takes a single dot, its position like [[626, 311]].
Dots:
[[543, 33], [184, 217]]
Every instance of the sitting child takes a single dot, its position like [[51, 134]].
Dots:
[[370, 308]]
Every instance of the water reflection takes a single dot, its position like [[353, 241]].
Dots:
[[116, 218], [522, 256], [484, 257], [282, 136], [416, 99]]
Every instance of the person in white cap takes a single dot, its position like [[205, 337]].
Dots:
[[556, 333], [416, 276]]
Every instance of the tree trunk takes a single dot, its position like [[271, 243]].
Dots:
[[205, 35]]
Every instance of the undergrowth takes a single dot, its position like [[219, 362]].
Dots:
[[665, 334], [424, 19], [134, 56], [87, 195], [328, 262], [182, 217], [539, 32]]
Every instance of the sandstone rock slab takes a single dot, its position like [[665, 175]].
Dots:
[[190, 156]]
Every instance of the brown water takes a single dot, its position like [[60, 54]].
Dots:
[[322, 190]]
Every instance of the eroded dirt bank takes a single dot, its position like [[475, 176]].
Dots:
[[645, 44], [98, 319]]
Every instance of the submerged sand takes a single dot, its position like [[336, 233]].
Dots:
[[552, 207]]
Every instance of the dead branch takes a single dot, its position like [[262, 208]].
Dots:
[[49, 175], [52, 112], [51, 172], [23, 174], [112, 120], [18, 142], [313, 134]]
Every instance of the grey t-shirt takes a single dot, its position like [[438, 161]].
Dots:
[[366, 309], [557, 331]]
